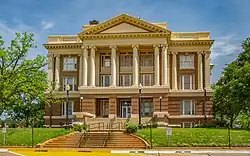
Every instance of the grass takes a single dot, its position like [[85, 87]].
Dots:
[[194, 137], [22, 136]]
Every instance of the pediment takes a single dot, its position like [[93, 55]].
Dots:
[[123, 28], [124, 24]]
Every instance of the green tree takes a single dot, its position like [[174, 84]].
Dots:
[[17, 73], [231, 92]]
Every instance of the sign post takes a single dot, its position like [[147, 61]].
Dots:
[[169, 134], [4, 134]]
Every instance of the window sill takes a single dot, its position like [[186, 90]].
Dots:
[[69, 70]]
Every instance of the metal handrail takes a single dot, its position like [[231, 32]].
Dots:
[[110, 130], [99, 125], [83, 139]]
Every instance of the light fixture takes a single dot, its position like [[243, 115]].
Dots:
[[67, 87]]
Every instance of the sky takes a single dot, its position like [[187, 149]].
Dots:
[[227, 20]]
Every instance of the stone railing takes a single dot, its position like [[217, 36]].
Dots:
[[63, 39], [190, 36]]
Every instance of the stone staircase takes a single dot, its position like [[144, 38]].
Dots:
[[96, 140], [123, 140], [67, 141]]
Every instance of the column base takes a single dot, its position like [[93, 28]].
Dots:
[[156, 85], [112, 115], [134, 115]]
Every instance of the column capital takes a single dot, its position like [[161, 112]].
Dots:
[[199, 52], [113, 46], [84, 46], [57, 55], [164, 45], [174, 52], [156, 45], [135, 46], [92, 47], [207, 52]]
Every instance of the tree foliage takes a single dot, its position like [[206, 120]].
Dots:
[[21, 76], [231, 92]]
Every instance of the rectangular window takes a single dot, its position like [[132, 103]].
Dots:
[[187, 124], [187, 107], [105, 108], [69, 63], [147, 107], [146, 60], [71, 81], [186, 82], [105, 80], [70, 108], [126, 60], [186, 61], [147, 79], [125, 80], [105, 61]]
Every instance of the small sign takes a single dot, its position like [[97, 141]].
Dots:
[[169, 131], [4, 130]]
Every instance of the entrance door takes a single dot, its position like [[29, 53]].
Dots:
[[126, 109]]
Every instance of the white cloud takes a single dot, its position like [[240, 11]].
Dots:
[[47, 25], [225, 46]]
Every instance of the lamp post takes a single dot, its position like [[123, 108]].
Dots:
[[139, 110], [67, 103], [81, 104], [160, 102]]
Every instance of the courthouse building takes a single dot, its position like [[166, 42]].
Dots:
[[107, 63]]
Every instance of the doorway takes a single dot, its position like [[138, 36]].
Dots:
[[126, 108]]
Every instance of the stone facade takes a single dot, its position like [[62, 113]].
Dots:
[[106, 64]]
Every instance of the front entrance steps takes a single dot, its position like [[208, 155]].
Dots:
[[96, 140]]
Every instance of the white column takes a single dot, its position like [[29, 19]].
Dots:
[[113, 65], [92, 64], [85, 66], [174, 71], [57, 72], [207, 70], [80, 70], [200, 71], [157, 65], [135, 65], [50, 68], [165, 67]]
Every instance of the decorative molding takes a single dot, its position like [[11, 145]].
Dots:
[[125, 35], [63, 45], [121, 19], [192, 42]]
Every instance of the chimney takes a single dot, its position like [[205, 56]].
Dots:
[[93, 22]]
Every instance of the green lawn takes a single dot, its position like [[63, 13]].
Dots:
[[22, 136], [197, 137]]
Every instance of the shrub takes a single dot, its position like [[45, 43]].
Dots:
[[79, 127], [154, 125], [210, 125], [131, 127]]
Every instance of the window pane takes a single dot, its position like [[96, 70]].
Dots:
[[147, 107], [146, 60], [186, 62], [71, 81], [126, 60], [69, 63], [187, 107]]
